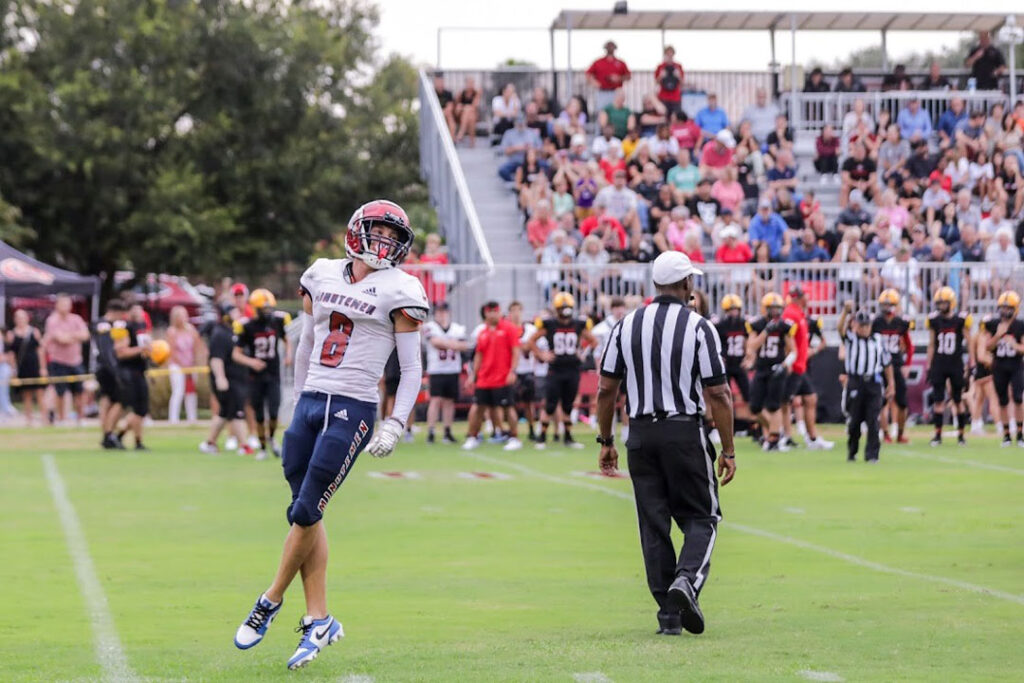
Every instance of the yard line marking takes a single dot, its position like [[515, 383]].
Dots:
[[820, 676], [789, 540], [955, 461], [108, 647], [356, 678], [591, 677]]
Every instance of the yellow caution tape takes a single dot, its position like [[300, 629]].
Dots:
[[64, 379]]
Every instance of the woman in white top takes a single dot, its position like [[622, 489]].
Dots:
[[505, 107]]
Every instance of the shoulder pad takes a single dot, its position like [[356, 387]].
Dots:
[[968, 321], [538, 322], [589, 324], [819, 324], [911, 324], [236, 327]]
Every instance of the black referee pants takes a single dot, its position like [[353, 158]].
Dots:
[[863, 404], [671, 464]]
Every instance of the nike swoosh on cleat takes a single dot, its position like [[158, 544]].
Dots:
[[321, 634]]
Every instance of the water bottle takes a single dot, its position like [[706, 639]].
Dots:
[[972, 84]]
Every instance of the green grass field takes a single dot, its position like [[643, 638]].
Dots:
[[824, 570]]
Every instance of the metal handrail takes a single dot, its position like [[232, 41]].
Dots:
[[445, 177]]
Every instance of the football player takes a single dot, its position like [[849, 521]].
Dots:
[[257, 349], [106, 371], [602, 332], [800, 397], [1003, 338], [733, 330], [358, 309], [445, 341], [771, 351], [526, 389], [228, 381], [895, 331], [565, 334], [946, 348], [131, 346]]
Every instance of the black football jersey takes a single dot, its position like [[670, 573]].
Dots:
[[259, 338], [733, 332], [892, 330], [1006, 355], [564, 340], [773, 350], [950, 335]]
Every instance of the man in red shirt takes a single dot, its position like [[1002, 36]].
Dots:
[[540, 226], [607, 74], [669, 78], [607, 228], [799, 391], [716, 154], [494, 375]]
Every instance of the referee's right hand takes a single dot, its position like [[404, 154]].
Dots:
[[608, 461], [726, 468]]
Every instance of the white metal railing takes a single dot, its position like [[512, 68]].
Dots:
[[827, 285], [813, 111], [440, 167]]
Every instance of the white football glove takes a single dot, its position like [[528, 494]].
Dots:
[[385, 438]]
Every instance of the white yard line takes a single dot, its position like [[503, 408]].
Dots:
[[108, 647], [789, 540], [356, 678], [959, 461], [820, 676], [591, 677]]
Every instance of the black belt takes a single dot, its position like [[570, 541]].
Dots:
[[663, 417], [867, 378]]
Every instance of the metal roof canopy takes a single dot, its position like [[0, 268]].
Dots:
[[713, 20]]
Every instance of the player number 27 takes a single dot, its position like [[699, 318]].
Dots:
[[336, 342]]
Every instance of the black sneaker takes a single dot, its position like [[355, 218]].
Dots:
[[108, 442], [1006, 442], [786, 441], [430, 437], [1020, 440], [960, 440], [681, 596], [669, 625], [936, 441], [140, 447], [448, 439]]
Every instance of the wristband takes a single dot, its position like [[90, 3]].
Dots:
[[606, 441], [729, 456]]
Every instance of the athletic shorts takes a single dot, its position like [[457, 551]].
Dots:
[[526, 389], [265, 393], [982, 371], [900, 392], [1007, 379], [737, 374], [495, 396], [107, 379], [445, 386], [938, 375], [321, 445], [562, 387], [540, 387], [232, 401], [798, 385], [61, 370], [134, 391], [766, 392]]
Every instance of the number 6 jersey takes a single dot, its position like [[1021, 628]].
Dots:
[[354, 329]]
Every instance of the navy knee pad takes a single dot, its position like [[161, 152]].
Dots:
[[303, 514]]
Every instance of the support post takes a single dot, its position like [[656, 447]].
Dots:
[[568, 55], [793, 91], [773, 65], [554, 75], [437, 64], [885, 49]]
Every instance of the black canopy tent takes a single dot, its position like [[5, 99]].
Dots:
[[23, 276]]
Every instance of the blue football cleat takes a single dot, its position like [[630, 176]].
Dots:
[[255, 626], [316, 635]]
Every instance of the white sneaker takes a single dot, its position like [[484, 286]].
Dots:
[[977, 427], [471, 443], [801, 427], [209, 448], [783, 446], [253, 443], [715, 437], [261, 455], [230, 443], [512, 444], [821, 444]]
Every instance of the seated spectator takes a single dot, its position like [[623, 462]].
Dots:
[[1006, 257], [921, 162], [704, 208], [728, 191], [849, 279], [869, 137], [691, 247], [528, 171], [560, 138], [847, 82], [781, 137], [782, 176], [970, 136], [826, 147], [664, 148], [995, 222], [750, 146], [447, 102], [826, 239], [939, 251], [585, 192], [788, 209], [727, 220], [612, 162], [815, 82], [620, 202], [649, 184], [1010, 135], [514, 143], [562, 201], [853, 119], [639, 250], [893, 154], [717, 154], [897, 80], [807, 249], [909, 194], [669, 235], [980, 174], [711, 119], [683, 176], [934, 199], [920, 247], [573, 117], [631, 142], [686, 133], [505, 108], [668, 76], [540, 227], [881, 247], [1010, 182], [765, 277], [935, 80], [578, 152], [897, 216], [593, 260], [534, 121], [956, 167], [768, 227], [859, 173], [747, 177], [617, 115], [809, 205], [966, 212], [663, 204], [947, 228], [636, 164], [902, 272], [854, 215], [467, 111], [950, 120], [732, 249], [761, 115], [652, 115]]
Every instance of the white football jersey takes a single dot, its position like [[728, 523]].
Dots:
[[443, 361], [354, 329], [540, 369], [526, 359], [601, 332]]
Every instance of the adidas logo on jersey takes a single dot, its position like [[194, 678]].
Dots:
[[372, 291], [342, 414]]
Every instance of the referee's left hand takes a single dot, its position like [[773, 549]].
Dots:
[[608, 461], [726, 469]]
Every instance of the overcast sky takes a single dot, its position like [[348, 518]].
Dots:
[[410, 28]]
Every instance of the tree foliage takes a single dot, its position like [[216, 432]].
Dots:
[[200, 136]]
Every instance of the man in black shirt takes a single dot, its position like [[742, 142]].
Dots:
[[1003, 338], [986, 63], [447, 102], [858, 173], [854, 215], [703, 206], [921, 163], [228, 381], [935, 80], [847, 82], [816, 81], [131, 346], [107, 372], [771, 341]]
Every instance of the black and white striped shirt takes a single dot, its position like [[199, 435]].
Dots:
[[666, 353], [865, 355]]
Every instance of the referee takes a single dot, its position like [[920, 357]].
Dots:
[[866, 360], [670, 359]]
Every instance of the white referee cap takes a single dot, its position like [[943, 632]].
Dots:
[[671, 267]]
